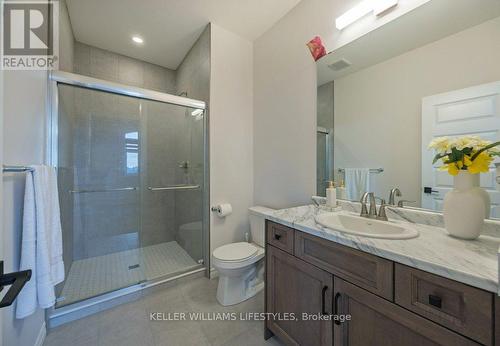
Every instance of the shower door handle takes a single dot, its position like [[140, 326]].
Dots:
[[104, 190], [174, 187]]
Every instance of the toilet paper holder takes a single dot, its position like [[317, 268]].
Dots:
[[222, 210]]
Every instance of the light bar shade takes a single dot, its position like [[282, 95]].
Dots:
[[362, 9]]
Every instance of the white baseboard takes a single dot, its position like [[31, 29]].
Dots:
[[41, 335]]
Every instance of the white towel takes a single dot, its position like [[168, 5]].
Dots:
[[357, 182], [41, 249]]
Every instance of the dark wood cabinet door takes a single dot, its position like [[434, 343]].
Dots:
[[375, 321], [296, 287]]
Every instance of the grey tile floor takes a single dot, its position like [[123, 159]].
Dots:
[[130, 325]]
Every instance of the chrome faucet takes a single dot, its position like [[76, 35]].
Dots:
[[372, 214], [381, 211], [394, 193], [397, 193], [373, 208]]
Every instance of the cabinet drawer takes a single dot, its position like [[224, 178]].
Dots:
[[370, 272], [280, 236], [464, 309], [376, 321]]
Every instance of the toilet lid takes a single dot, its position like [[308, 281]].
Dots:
[[235, 252]]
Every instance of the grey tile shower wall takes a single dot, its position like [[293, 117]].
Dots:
[[159, 134], [103, 64], [110, 222], [193, 77], [104, 222], [168, 135], [65, 174]]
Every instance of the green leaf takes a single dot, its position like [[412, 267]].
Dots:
[[456, 155], [438, 157], [467, 151], [491, 146]]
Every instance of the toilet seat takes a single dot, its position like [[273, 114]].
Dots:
[[237, 255], [235, 252]]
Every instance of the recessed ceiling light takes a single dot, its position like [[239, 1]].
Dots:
[[137, 39]]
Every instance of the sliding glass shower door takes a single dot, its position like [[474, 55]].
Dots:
[[131, 174]]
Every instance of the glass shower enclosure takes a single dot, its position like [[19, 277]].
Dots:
[[132, 184], [324, 161]]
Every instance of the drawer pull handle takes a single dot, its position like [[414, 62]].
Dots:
[[435, 301], [323, 294], [277, 236], [336, 308]]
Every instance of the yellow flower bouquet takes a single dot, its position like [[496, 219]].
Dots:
[[467, 153]]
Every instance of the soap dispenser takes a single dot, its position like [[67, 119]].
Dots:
[[331, 195], [341, 193]]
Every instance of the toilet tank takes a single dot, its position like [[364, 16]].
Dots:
[[258, 224]]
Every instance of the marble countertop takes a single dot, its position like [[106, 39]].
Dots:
[[473, 262]]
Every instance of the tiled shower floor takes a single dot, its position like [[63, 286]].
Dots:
[[97, 275]]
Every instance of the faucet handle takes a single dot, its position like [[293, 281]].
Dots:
[[396, 192], [381, 211], [373, 205], [402, 202], [364, 209]]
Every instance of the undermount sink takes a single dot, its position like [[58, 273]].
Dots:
[[365, 227]]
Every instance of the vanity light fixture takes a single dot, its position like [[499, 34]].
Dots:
[[362, 9], [137, 39]]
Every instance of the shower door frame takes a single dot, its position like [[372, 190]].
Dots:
[[67, 78], [328, 133]]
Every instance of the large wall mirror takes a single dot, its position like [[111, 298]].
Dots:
[[432, 72]]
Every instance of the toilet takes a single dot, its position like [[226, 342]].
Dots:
[[241, 265]]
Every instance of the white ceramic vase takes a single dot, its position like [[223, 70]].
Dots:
[[466, 207]]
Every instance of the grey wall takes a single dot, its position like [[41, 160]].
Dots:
[[103, 64], [23, 143], [65, 172], [169, 135], [66, 39], [94, 147], [65, 176], [325, 105], [98, 228], [193, 77]]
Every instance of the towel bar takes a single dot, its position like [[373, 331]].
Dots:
[[372, 170], [14, 169]]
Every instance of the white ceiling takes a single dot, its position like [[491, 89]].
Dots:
[[169, 27]]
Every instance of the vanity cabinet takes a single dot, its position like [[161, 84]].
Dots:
[[389, 303], [296, 287]]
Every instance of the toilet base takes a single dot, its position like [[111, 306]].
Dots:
[[234, 289]]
